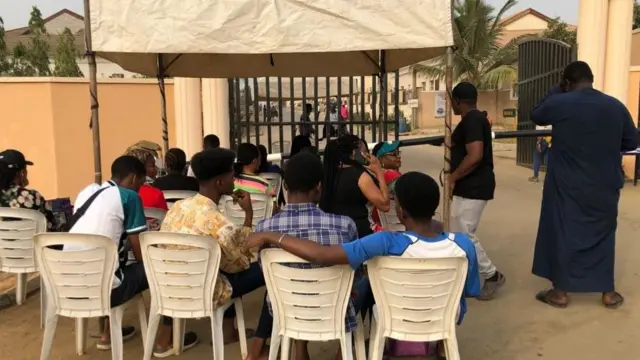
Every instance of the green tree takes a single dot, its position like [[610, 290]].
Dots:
[[558, 30], [20, 64], [480, 58], [636, 15], [65, 59], [38, 50], [4, 61]]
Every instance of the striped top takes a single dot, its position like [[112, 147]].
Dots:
[[253, 184]]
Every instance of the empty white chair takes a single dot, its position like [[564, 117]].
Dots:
[[275, 180], [262, 208], [171, 196], [389, 220], [17, 255], [79, 285], [182, 282], [417, 299], [309, 304]]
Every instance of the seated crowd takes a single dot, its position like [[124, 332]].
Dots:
[[330, 216]]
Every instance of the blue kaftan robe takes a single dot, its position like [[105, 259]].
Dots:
[[575, 246]]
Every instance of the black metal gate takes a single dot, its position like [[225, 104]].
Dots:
[[540, 66], [268, 111]]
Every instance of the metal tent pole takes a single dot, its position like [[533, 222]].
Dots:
[[163, 103], [447, 191], [93, 90]]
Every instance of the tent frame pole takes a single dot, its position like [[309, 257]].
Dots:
[[383, 98], [163, 103], [447, 191], [93, 90]]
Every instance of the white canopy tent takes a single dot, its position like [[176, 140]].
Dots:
[[253, 38], [257, 38]]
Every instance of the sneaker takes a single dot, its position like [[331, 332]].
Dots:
[[190, 340], [491, 286], [127, 333], [534, 179]]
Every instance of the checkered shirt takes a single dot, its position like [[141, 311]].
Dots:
[[307, 221]]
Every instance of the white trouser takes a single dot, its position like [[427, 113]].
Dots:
[[465, 216]]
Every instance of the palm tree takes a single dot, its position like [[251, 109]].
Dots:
[[479, 58]]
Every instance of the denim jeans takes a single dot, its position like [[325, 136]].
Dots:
[[539, 155]]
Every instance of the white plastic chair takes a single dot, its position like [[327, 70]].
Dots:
[[275, 180], [417, 299], [182, 283], [262, 208], [156, 214], [16, 249], [79, 286], [309, 304], [389, 220], [171, 196]]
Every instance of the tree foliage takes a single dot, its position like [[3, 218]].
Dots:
[[66, 55], [480, 58], [20, 64], [38, 50], [636, 15], [4, 55], [559, 30]]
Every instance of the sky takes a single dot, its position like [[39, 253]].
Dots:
[[15, 13]]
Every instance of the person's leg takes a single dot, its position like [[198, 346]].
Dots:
[[242, 283], [537, 160], [465, 217], [257, 348]]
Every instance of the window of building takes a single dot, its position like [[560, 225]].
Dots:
[[434, 85]]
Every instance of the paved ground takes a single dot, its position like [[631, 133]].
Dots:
[[512, 327]]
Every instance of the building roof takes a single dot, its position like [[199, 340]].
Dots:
[[23, 35], [25, 29], [509, 35], [519, 15]]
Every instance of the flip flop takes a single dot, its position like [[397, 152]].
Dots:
[[544, 297], [618, 300]]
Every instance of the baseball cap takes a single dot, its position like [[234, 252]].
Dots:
[[14, 158], [465, 91], [387, 147]]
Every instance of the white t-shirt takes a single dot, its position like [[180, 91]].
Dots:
[[114, 213]]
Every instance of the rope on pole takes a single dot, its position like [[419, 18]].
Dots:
[[93, 90], [447, 191]]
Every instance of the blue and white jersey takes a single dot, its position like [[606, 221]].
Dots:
[[409, 244]]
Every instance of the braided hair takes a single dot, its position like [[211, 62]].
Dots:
[[337, 153], [175, 160]]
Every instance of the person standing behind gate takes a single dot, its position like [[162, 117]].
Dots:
[[472, 179], [543, 147], [575, 246]]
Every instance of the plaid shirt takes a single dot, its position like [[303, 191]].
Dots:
[[307, 221]]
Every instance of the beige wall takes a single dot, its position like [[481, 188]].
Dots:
[[490, 101], [633, 99], [48, 120], [528, 22]]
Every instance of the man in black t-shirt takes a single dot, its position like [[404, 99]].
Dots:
[[472, 179]]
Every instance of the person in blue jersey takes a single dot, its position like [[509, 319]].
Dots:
[[417, 198]]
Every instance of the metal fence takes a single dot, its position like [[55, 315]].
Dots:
[[540, 66], [268, 111]]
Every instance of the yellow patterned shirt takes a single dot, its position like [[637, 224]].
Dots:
[[199, 215]]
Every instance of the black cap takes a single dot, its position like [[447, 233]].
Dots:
[[15, 159], [465, 91]]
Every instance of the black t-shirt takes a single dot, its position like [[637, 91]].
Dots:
[[176, 182], [480, 184], [348, 199]]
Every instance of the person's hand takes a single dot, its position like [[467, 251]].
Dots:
[[257, 240], [243, 199], [374, 164]]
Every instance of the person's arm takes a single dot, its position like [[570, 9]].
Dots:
[[134, 222], [474, 144], [39, 203], [354, 253], [378, 196], [629, 132], [545, 111], [232, 239]]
